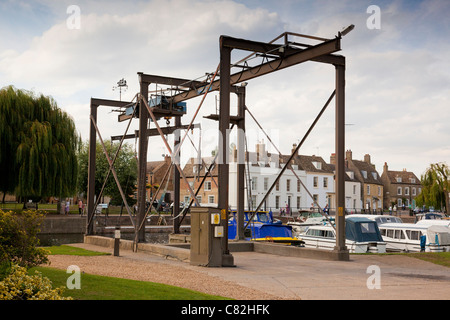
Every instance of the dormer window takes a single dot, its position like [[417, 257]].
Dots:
[[364, 174], [399, 179], [317, 165], [374, 175]]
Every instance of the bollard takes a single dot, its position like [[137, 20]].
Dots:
[[116, 241]]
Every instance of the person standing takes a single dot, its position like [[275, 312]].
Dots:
[[67, 206], [80, 207]]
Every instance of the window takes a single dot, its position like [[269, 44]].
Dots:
[[399, 179], [320, 233], [399, 202], [368, 228], [407, 191], [368, 189], [413, 180], [317, 165], [298, 202], [207, 185], [288, 185], [354, 189], [364, 174], [187, 199], [254, 183], [277, 186], [277, 202], [211, 199], [390, 233], [199, 199], [254, 202], [399, 191], [266, 184], [413, 235], [379, 191], [315, 182], [399, 234], [315, 198], [298, 185], [413, 191], [375, 175], [325, 182]]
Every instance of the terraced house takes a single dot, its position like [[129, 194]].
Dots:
[[371, 184]]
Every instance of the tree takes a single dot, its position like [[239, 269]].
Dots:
[[38, 143], [435, 187], [125, 167]]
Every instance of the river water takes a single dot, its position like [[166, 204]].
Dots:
[[57, 239]]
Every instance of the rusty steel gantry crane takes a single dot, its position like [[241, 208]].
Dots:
[[277, 57]]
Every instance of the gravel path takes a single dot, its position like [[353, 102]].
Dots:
[[146, 267]]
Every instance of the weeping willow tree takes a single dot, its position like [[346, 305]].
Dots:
[[435, 187], [38, 145]]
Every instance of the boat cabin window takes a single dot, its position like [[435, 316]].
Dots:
[[413, 234], [368, 227], [394, 234], [263, 217], [320, 233], [399, 234]]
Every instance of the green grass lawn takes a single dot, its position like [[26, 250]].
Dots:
[[441, 258], [95, 287], [73, 251]]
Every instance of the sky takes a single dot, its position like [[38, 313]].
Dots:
[[397, 69]]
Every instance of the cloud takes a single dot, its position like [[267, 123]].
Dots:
[[397, 79]]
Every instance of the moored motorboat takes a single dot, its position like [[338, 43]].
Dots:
[[361, 236], [263, 228], [415, 237]]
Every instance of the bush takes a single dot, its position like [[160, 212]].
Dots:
[[18, 285], [18, 239]]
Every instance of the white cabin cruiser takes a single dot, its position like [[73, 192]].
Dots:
[[361, 236], [415, 237], [303, 222]]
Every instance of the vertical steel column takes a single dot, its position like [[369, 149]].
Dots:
[[142, 160], [91, 171], [340, 163], [176, 178], [224, 125], [240, 91]]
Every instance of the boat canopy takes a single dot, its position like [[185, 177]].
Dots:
[[439, 235], [362, 230]]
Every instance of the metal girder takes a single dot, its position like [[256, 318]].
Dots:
[[109, 103], [177, 82], [320, 53], [151, 132]]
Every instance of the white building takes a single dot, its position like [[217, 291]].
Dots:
[[287, 195]]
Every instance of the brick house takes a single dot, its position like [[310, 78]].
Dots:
[[400, 188], [155, 175], [194, 173], [371, 184]]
